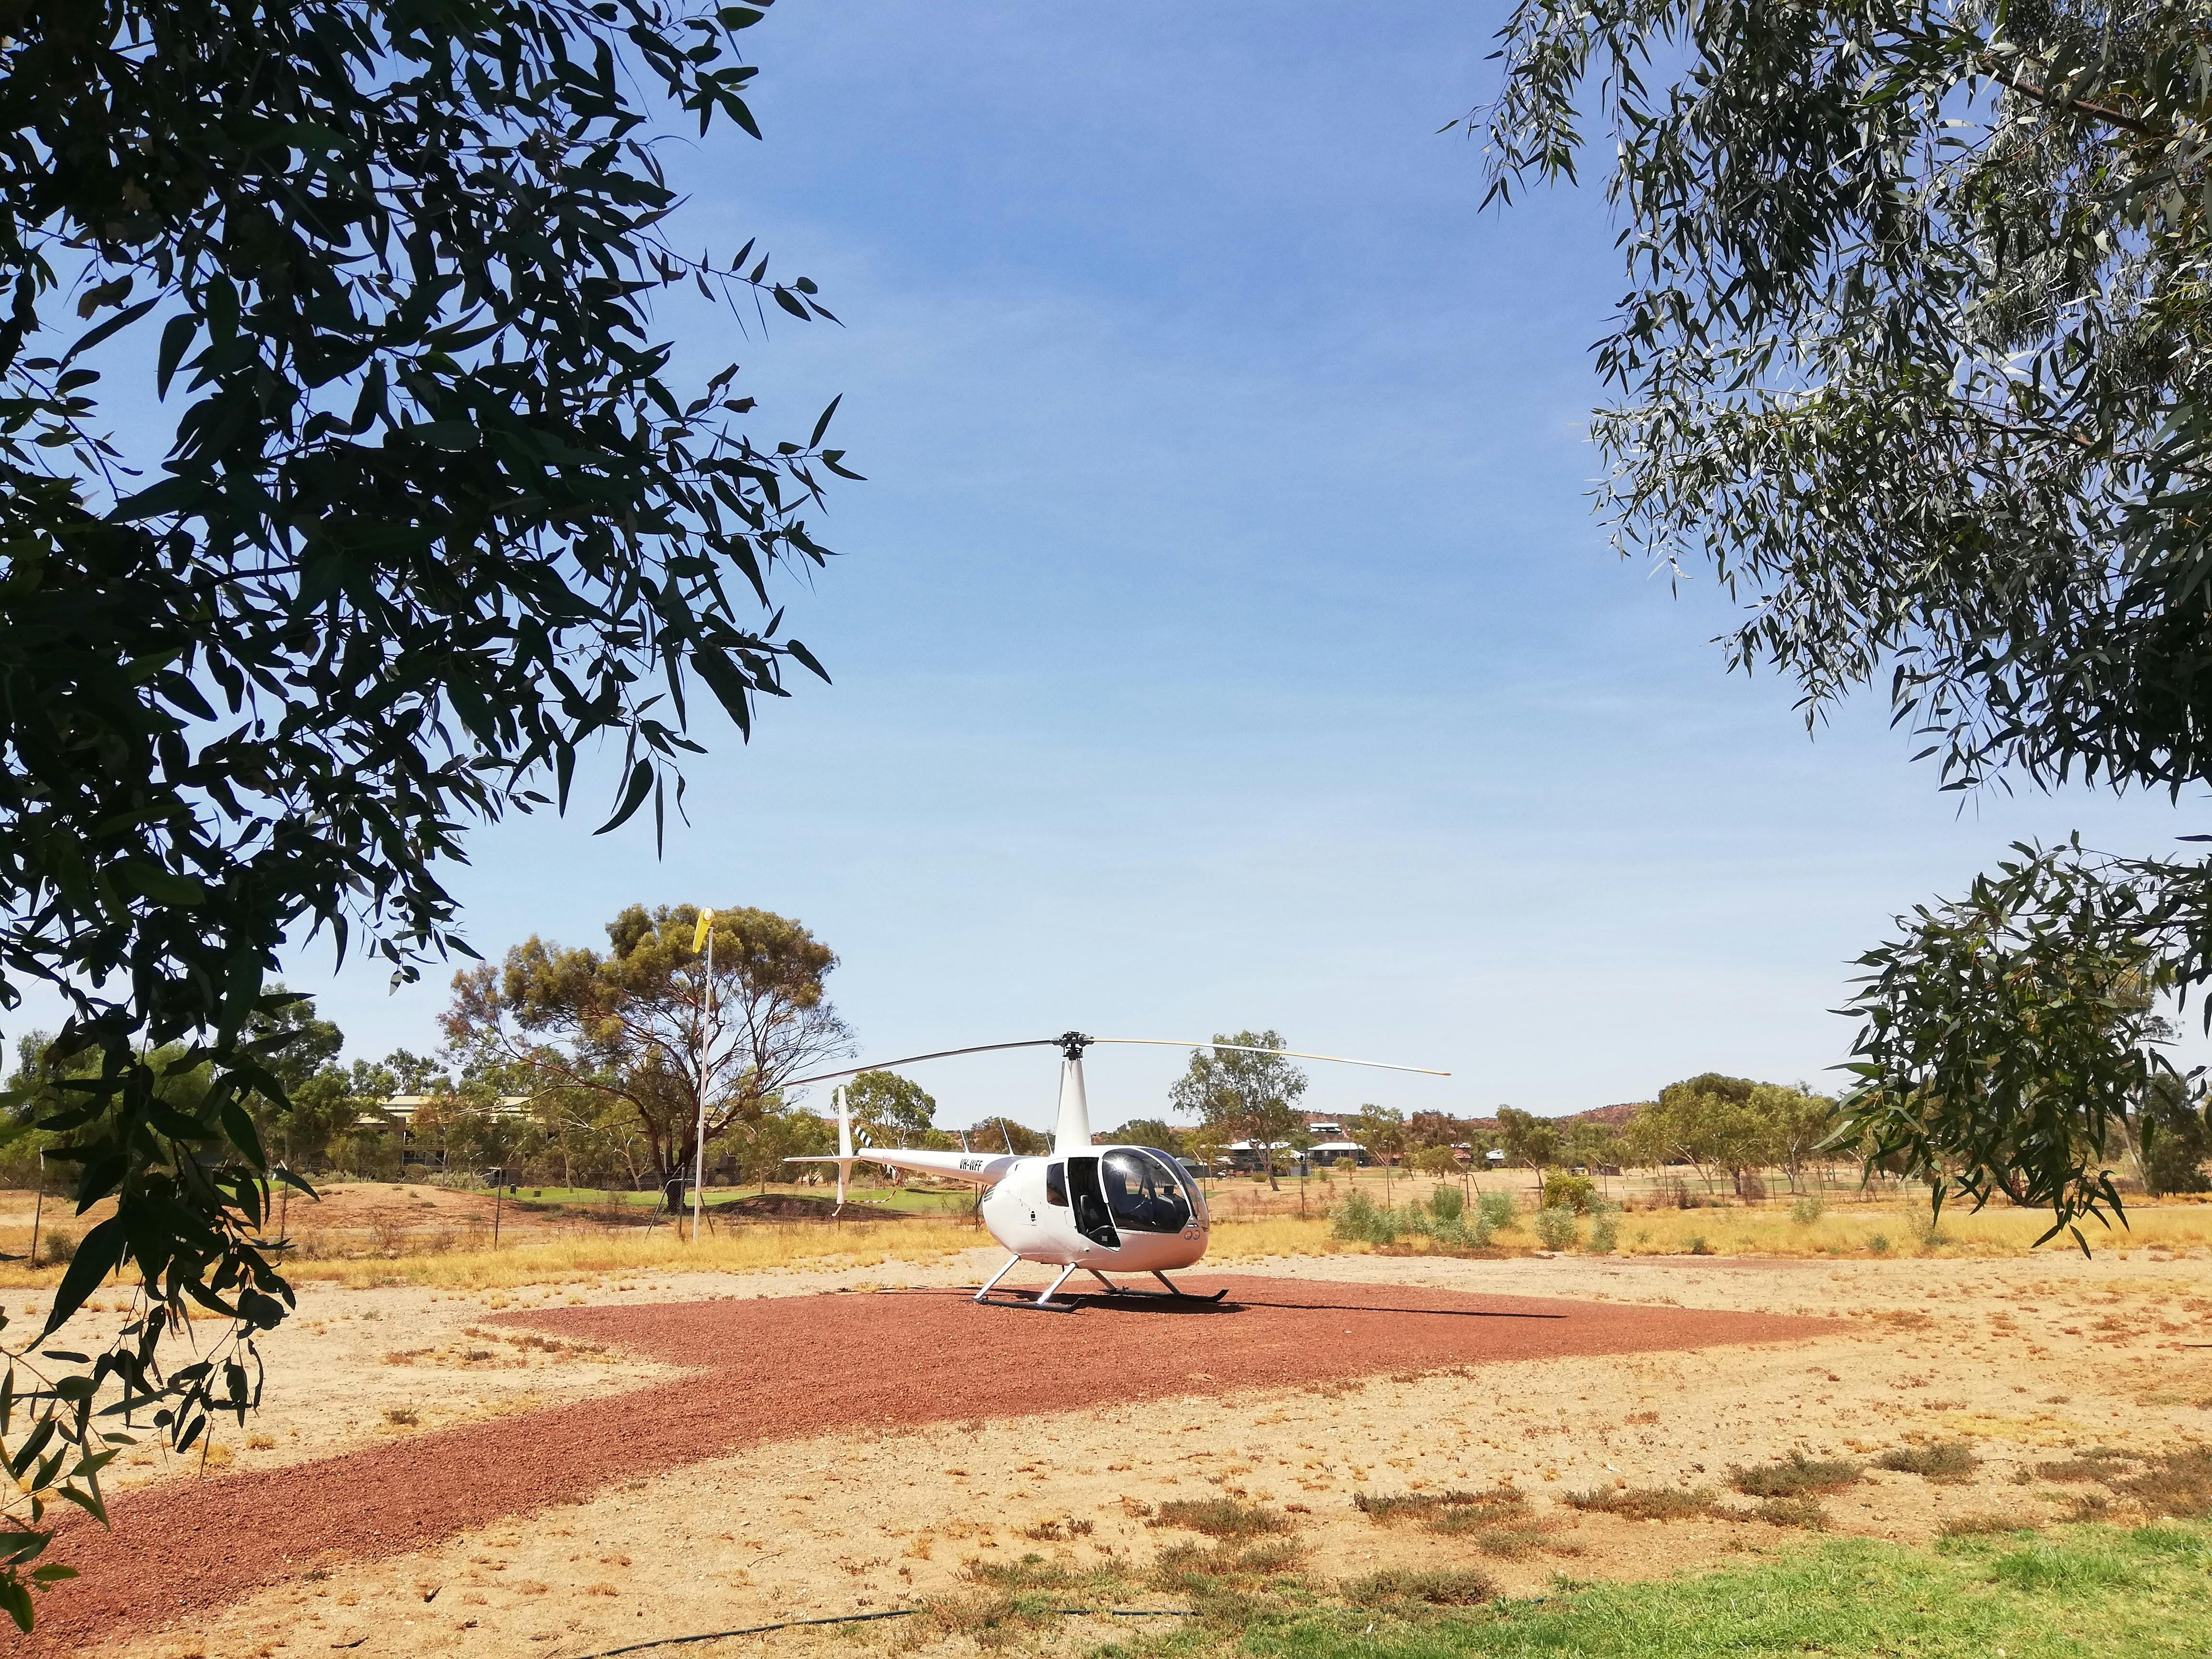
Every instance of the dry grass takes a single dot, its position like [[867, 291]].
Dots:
[[1219, 1517], [1646, 1503], [1794, 1477], [1804, 1512], [1951, 1461], [1402, 1590], [738, 1249], [1845, 1230], [1430, 1508]]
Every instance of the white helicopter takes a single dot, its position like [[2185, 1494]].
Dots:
[[1078, 1207]]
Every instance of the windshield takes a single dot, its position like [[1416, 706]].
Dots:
[[1144, 1191]]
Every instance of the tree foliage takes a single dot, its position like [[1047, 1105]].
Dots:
[[435, 514], [1914, 358], [1731, 1124], [1246, 1096], [643, 1024], [886, 1104]]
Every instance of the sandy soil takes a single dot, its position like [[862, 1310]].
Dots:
[[2016, 1357]]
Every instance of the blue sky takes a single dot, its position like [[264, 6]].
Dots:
[[1223, 638]]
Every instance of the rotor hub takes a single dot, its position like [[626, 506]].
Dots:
[[1072, 1043]]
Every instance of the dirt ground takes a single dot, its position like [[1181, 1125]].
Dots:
[[2018, 1357]]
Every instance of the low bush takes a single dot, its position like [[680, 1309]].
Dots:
[[1605, 1229], [1953, 1460], [1803, 1512], [1807, 1208], [1557, 1227], [1563, 1191], [57, 1246], [1645, 1503], [1360, 1221], [1496, 1211], [1447, 1205], [1219, 1517], [1400, 1588], [1795, 1476], [1498, 1502], [1190, 1568]]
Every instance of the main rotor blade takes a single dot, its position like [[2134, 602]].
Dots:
[[942, 1054], [1294, 1054]]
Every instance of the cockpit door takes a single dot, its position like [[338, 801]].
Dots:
[[1088, 1202]]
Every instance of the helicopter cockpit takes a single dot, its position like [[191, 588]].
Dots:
[[1146, 1192], [1128, 1189]]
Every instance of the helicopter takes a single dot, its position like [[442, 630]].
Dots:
[[1080, 1208]]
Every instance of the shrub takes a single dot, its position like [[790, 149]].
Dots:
[[1498, 1504], [1645, 1503], [1879, 1243], [1605, 1229], [1797, 1476], [1447, 1205], [1570, 1192], [2175, 1483], [1751, 1189], [1396, 1588], [1808, 1208], [1699, 1245], [1360, 1219], [1189, 1568], [1496, 1211], [1219, 1518], [57, 1246], [1556, 1227], [1952, 1460], [1804, 1512]]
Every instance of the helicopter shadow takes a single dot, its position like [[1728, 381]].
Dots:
[[1190, 1307]]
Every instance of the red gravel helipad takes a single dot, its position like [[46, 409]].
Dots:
[[778, 1368]]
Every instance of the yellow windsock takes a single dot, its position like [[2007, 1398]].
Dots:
[[699, 934]]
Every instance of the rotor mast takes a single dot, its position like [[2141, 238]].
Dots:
[[1071, 1130]]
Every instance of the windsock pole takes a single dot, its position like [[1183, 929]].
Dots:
[[844, 1145], [704, 932]]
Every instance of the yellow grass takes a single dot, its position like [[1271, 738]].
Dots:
[[1855, 1229], [600, 1256], [1851, 1230]]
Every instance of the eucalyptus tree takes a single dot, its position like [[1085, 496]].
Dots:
[[1245, 1097], [647, 1026], [440, 508], [1913, 357]]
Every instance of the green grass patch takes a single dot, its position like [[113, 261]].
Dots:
[[2088, 1593]]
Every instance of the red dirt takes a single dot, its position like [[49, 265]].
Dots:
[[782, 1368]]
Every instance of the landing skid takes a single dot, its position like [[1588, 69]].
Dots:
[[1043, 1304], [1171, 1294]]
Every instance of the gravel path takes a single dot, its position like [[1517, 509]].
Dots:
[[772, 1370]]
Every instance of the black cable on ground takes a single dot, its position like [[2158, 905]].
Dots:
[[869, 1617]]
